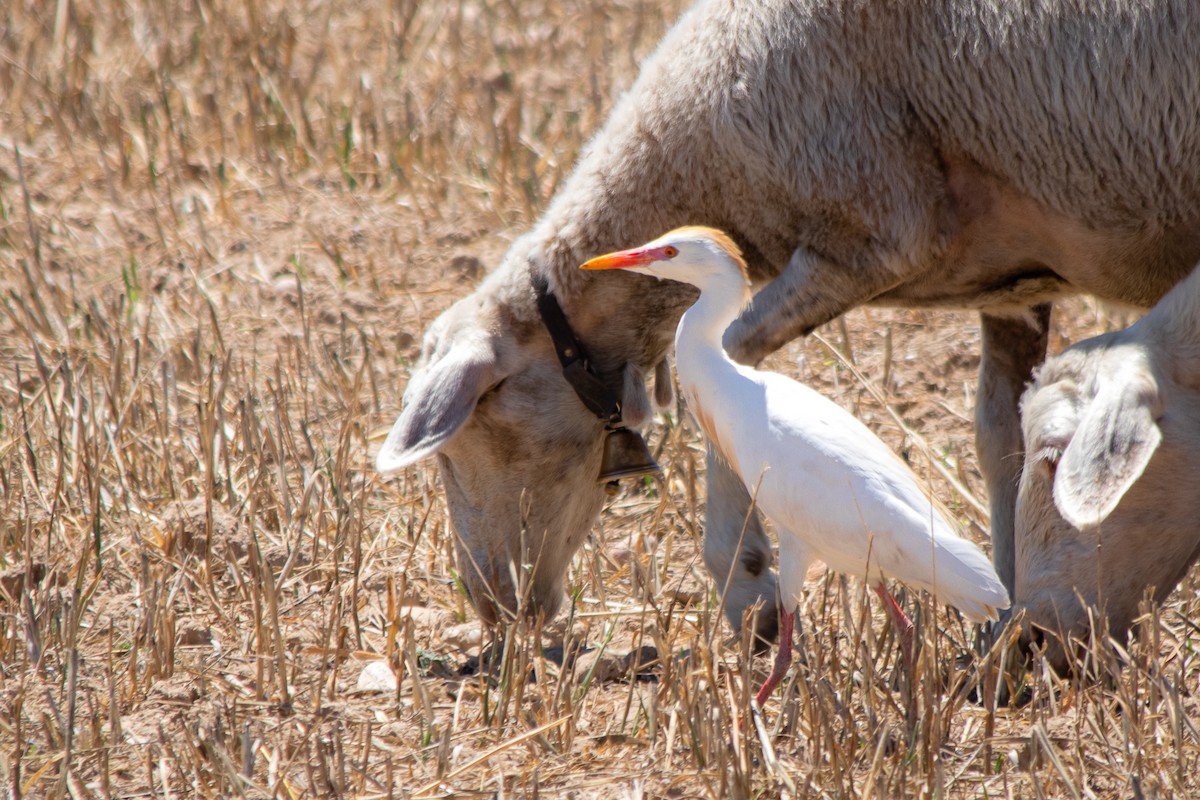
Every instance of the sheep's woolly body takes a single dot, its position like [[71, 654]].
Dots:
[[833, 125], [963, 153], [984, 154]]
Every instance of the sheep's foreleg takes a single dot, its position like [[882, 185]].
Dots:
[[1012, 348], [737, 551]]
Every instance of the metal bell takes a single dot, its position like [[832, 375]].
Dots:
[[625, 456]]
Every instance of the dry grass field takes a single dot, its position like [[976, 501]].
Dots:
[[223, 226]]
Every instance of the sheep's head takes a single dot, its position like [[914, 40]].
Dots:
[[1108, 497], [519, 452]]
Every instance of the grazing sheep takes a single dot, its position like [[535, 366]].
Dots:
[[1109, 503], [977, 154]]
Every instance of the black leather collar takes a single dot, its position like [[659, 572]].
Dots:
[[601, 398]]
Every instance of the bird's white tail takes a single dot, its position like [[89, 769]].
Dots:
[[963, 577]]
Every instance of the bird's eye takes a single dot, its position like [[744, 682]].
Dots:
[[670, 252]]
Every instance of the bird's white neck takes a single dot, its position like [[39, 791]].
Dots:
[[708, 377], [722, 297]]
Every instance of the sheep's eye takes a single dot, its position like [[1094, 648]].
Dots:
[[1048, 457], [1051, 455], [670, 252]]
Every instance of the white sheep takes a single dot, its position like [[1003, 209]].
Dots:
[[967, 153], [1109, 502]]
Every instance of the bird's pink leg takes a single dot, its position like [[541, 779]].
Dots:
[[904, 626], [783, 661]]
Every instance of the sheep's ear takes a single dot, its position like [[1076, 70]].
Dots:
[[1115, 439], [635, 400], [663, 391], [438, 401]]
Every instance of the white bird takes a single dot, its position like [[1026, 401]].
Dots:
[[833, 490]]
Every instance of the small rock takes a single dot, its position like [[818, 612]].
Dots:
[[192, 634], [612, 666], [686, 595], [287, 288], [186, 526], [602, 665], [358, 301], [426, 617], [636, 544], [180, 690], [621, 555], [556, 630], [377, 676], [466, 267], [467, 636], [12, 581], [499, 81]]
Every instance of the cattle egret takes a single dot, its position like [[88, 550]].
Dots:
[[833, 490]]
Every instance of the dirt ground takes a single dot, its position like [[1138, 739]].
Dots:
[[223, 228]]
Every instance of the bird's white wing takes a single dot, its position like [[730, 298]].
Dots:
[[828, 479]]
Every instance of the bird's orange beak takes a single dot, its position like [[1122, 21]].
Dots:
[[624, 259]]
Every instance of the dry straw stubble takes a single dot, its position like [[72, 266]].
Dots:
[[222, 228]]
